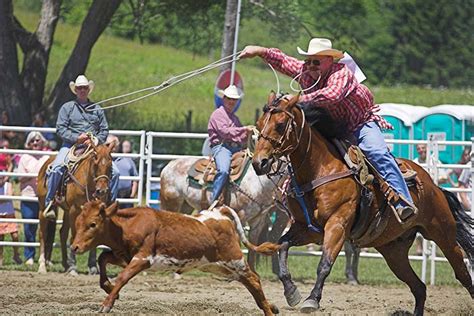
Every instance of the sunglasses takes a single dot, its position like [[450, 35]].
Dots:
[[314, 62], [37, 140], [82, 88]]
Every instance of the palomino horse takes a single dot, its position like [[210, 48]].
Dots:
[[254, 197], [333, 205], [90, 180]]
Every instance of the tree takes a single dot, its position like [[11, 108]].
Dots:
[[228, 36], [22, 93]]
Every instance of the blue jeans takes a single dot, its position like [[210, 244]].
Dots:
[[58, 168], [223, 157], [371, 142], [29, 210]]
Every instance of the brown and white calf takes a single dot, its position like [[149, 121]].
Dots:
[[142, 238]]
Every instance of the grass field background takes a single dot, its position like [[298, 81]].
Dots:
[[119, 66]]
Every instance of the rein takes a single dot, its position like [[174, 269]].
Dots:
[[85, 188]]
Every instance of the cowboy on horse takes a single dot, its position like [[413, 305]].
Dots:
[[333, 87], [79, 122], [226, 137]]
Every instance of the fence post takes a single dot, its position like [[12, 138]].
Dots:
[[189, 121]]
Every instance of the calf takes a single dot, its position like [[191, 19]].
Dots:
[[141, 238]]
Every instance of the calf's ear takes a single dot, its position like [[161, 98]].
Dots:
[[112, 209]]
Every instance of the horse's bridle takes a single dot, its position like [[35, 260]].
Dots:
[[278, 144], [85, 187]]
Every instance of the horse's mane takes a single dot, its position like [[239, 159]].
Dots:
[[320, 119]]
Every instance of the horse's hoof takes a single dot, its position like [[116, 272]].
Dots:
[[93, 270], [73, 273], [274, 309], [42, 269], [352, 282], [309, 306], [105, 309], [293, 297], [177, 276]]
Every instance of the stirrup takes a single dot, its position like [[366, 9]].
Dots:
[[405, 212], [49, 211]]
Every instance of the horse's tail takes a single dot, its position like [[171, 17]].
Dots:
[[464, 225], [267, 248]]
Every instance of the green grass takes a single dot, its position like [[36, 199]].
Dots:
[[119, 66]]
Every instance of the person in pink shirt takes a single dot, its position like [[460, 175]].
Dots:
[[333, 88], [30, 163], [226, 137]]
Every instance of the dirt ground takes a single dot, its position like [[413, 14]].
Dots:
[[31, 293]]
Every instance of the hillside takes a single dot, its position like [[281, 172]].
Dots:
[[119, 66]]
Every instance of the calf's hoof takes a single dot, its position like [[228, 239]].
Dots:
[[309, 306], [293, 296], [105, 309], [352, 282]]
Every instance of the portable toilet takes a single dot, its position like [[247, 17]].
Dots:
[[447, 122], [402, 117]]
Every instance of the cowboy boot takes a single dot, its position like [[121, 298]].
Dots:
[[49, 211]]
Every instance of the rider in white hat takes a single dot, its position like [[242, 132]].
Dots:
[[226, 136], [77, 119], [333, 87]]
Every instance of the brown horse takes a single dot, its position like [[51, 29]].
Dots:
[[333, 205], [90, 180]]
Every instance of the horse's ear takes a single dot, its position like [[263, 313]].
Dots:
[[271, 97], [112, 209], [110, 146], [294, 99]]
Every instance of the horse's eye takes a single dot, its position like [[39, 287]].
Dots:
[[280, 127], [92, 225]]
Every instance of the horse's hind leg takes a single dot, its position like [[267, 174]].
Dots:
[[396, 256], [446, 240], [64, 232], [352, 262]]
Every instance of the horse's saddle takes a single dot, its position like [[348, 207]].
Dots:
[[204, 170], [365, 227], [357, 161], [75, 156]]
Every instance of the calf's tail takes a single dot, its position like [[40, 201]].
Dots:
[[267, 248]]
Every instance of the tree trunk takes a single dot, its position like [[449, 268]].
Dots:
[[36, 51], [12, 96], [229, 31], [97, 19]]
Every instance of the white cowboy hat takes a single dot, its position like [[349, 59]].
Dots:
[[81, 81], [321, 47], [232, 92]]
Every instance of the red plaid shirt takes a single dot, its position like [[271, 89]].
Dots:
[[339, 92]]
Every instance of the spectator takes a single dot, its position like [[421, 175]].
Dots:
[[29, 210], [39, 121], [421, 159], [465, 182], [126, 167], [13, 138], [456, 172], [5, 159], [7, 211]]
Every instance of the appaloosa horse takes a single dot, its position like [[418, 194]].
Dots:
[[254, 197], [90, 180], [333, 205]]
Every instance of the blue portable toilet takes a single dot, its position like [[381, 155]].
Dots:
[[447, 122], [402, 117]]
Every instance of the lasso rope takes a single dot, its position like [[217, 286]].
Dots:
[[167, 83], [302, 90]]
